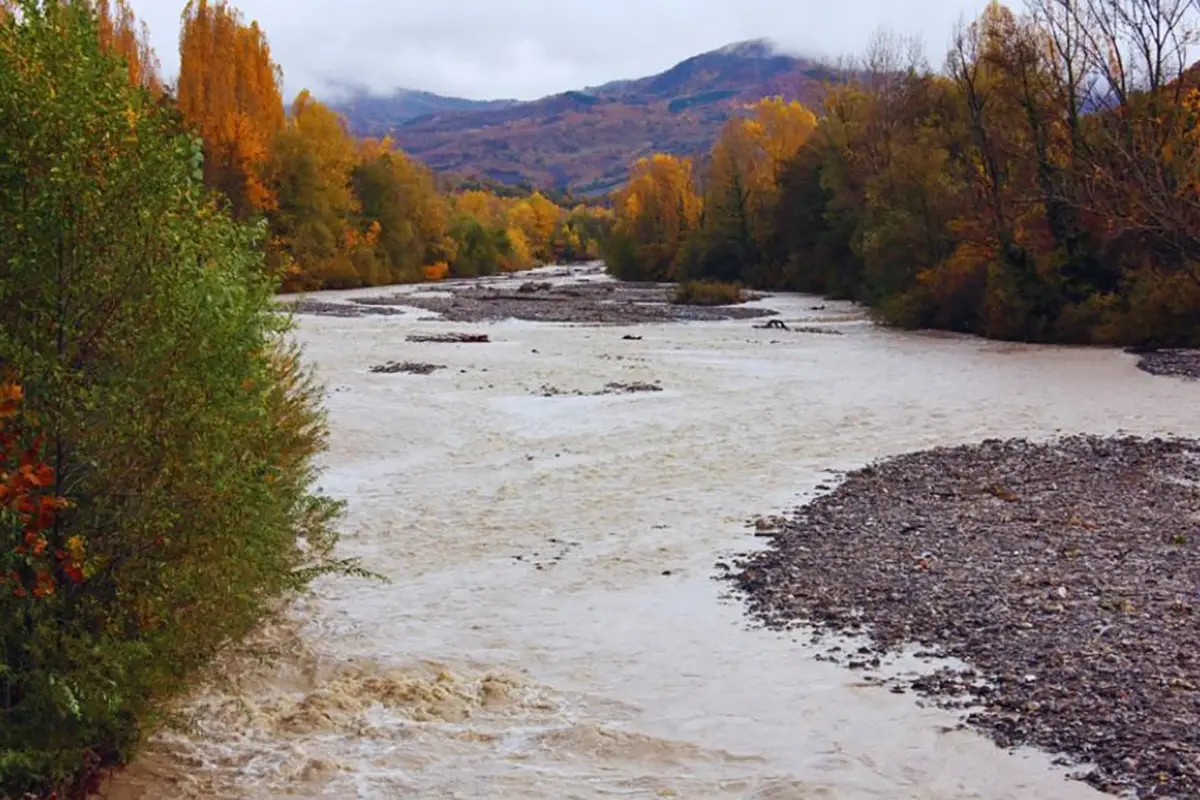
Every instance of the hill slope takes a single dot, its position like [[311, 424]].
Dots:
[[585, 140]]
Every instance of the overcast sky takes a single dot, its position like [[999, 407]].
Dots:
[[526, 49]]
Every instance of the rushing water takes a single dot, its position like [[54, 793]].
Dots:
[[551, 628]]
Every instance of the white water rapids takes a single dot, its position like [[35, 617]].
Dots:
[[552, 628]]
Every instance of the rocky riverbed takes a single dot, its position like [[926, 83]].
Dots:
[[1066, 574], [582, 301]]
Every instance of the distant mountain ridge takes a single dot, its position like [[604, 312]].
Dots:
[[584, 141], [376, 112]]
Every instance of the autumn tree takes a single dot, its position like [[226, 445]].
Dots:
[[481, 205], [536, 218], [399, 195], [123, 34], [1143, 52], [314, 215], [655, 213], [229, 93], [742, 190], [580, 232]]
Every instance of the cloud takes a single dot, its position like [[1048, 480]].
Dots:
[[526, 49]]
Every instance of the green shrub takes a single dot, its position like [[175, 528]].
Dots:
[[707, 293], [479, 249], [161, 398]]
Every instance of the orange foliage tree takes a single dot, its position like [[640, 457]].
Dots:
[[229, 93], [742, 190], [121, 33]]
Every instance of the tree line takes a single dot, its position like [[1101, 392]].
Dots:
[[344, 212], [341, 212], [1043, 186]]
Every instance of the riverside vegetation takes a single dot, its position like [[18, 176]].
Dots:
[[157, 431], [1042, 187]]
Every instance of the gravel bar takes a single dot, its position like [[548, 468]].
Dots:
[[1066, 574], [1171, 363], [583, 302]]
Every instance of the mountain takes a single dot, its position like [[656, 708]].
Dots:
[[584, 141], [372, 112]]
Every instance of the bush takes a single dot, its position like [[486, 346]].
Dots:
[[1161, 308], [437, 272], [150, 386], [707, 293]]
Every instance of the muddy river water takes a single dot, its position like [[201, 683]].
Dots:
[[551, 628]]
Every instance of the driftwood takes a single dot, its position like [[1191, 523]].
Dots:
[[609, 388], [411, 367], [780, 325], [449, 338]]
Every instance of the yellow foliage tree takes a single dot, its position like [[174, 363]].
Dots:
[[520, 254], [654, 212], [483, 206], [742, 191]]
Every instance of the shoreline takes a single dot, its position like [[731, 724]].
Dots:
[[1062, 573]]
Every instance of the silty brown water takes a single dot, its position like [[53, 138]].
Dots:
[[551, 628]]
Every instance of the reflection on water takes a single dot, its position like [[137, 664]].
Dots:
[[552, 629]]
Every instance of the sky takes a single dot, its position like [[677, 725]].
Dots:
[[525, 49]]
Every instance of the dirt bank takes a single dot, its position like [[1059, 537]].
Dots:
[[1065, 573]]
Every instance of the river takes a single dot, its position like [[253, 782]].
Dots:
[[551, 628]]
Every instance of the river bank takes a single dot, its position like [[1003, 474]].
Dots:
[[551, 627]]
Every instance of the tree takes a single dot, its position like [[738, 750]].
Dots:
[[399, 195], [229, 94], [162, 431], [738, 232], [311, 165], [121, 33], [654, 214], [479, 249]]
